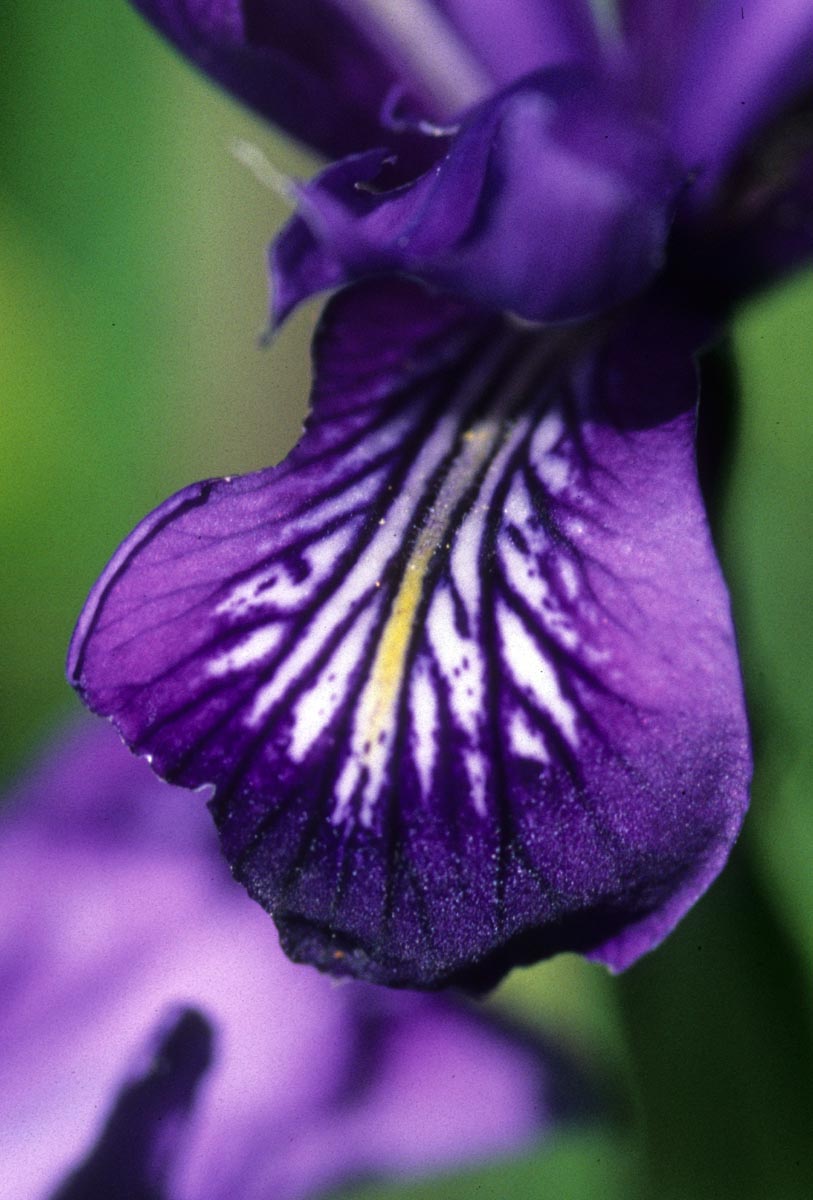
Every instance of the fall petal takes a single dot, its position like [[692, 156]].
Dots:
[[461, 669]]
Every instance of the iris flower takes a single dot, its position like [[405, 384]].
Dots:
[[461, 670], [155, 1042]]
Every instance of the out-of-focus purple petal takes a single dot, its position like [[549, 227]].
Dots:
[[655, 25], [657, 33], [746, 61], [137, 916], [417, 1102], [143, 1136], [554, 201], [117, 911], [516, 37], [462, 667]]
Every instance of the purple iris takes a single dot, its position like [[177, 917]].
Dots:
[[461, 669], [155, 1043]]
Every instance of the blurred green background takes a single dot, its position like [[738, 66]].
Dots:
[[132, 294]]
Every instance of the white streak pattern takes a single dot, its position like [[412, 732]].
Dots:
[[377, 654]]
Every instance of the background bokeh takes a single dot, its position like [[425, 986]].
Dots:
[[132, 294]]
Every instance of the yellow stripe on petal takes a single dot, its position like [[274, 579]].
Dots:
[[377, 713]]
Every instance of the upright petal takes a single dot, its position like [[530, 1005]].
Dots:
[[323, 70], [553, 201], [746, 61], [304, 67], [121, 931], [656, 34], [516, 37], [657, 25], [461, 669]]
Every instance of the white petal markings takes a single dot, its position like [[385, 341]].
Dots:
[[317, 707], [423, 708], [248, 653], [365, 575], [534, 674], [283, 589], [403, 623], [459, 658], [527, 742], [435, 684], [376, 718], [399, 611], [552, 467]]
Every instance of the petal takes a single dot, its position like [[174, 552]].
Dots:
[[553, 201], [657, 33], [520, 36], [144, 1132], [745, 63], [432, 1086], [140, 916], [462, 667], [310, 1085], [323, 71], [656, 25], [306, 68]]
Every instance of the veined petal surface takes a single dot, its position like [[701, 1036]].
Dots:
[[461, 669]]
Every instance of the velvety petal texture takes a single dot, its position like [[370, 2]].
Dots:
[[553, 201], [154, 1041], [461, 669]]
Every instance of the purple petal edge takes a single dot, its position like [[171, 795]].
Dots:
[[555, 731]]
